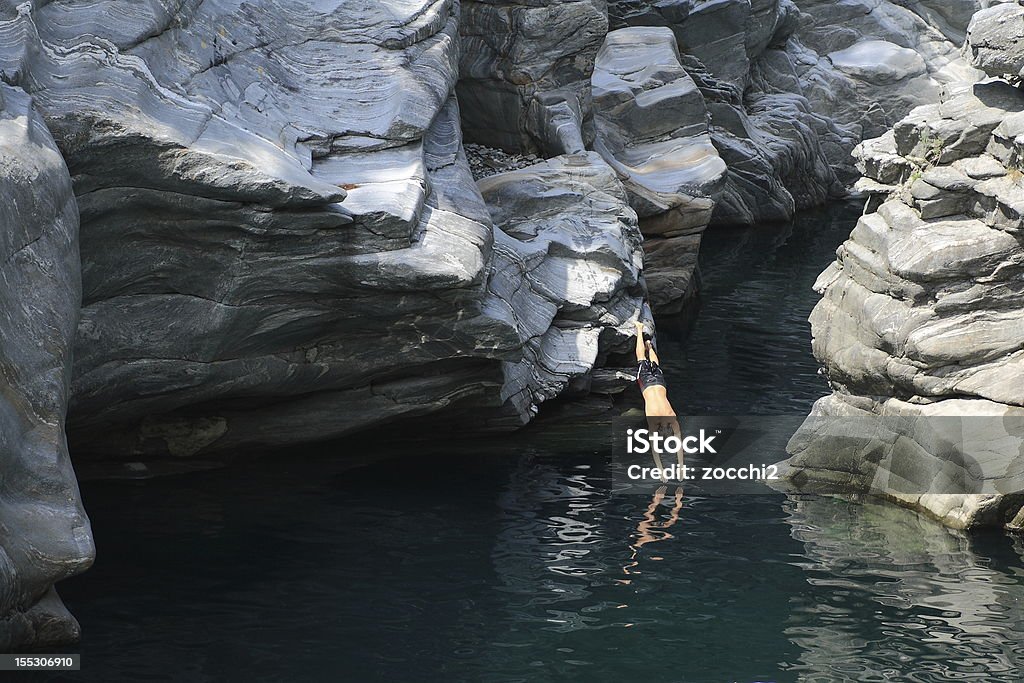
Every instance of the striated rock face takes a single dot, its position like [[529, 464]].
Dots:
[[653, 125], [949, 17], [281, 241], [565, 274], [878, 62], [525, 73], [727, 36], [44, 533], [280, 237], [867, 63], [762, 127], [732, 112], [652, 128], [790, 87], [920, 319]]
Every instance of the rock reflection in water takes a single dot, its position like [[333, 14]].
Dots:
[[897, 596]]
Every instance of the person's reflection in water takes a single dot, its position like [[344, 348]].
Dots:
[[649, 530]]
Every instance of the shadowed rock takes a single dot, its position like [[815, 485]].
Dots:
[[44, 533], [525, 73]]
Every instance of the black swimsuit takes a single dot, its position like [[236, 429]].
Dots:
[[649, 374]]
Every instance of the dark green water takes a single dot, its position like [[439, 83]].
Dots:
[[511, 561]]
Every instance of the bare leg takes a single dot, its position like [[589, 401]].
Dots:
[[657, 460], [677, 432], [644, 528]]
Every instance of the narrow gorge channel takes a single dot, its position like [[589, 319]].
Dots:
[[329, 331], [463, 561]]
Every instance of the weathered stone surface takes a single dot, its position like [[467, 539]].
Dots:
[[281, 241], [878, 62], [525, 73], [727, 36], [920, 315], [761, 126], [949, 17], [652, 122], [261, 268], [282, 238], [866, 63], [671, 271], [776, 161], [652, 128], [565, 273], [717, 33], [44, 533], [959, 461], [995, 40]]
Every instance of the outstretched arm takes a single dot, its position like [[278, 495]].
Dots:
[[641, 347], [652, 354]]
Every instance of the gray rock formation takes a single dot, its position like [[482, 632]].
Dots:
[[565, 273], [525, 73], [652, 128], [44, 533], [261, 268], [867, 63], [761, 125], [790, 88], [920, 321], [995, 41], [281, 241], [727, 36]]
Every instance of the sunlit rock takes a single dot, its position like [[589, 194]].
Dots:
[[565, 272], [920, 329], [995, 40], [878, 62], [653, 123], [652, 128], [867, 63], [760, 125]]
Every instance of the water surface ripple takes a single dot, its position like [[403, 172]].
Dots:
[[512, 561]]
